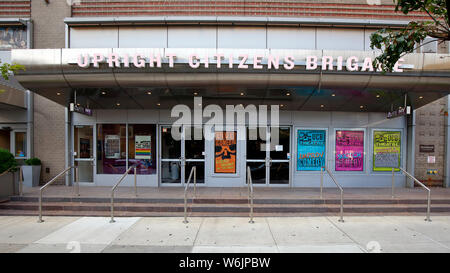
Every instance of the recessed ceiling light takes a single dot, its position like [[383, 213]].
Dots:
[[149, 93], [78, 104], [118, 104], [281, 105], [333, 95], [378, 96], [195, 93], [242, 94], [58, 94], [103, 93], [159, 104], [322, 105], [420, 97], [361, 107], [288, 94]]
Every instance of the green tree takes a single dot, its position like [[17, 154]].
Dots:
[[395, 43], [6, 69]]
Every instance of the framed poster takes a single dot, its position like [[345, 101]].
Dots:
[[311, 147], [143, 147], [225, 152], [112, 146], [349, 150], [386, 150]]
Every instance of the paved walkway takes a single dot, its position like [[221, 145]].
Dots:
[[260, 192], [211, 234]]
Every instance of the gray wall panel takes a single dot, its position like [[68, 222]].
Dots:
[[142, 37], [241, 37], [192, 37], [340, 39], [291, 37], [94, 37]]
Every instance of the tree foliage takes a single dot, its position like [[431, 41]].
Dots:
[[395, 43], [6, 69]]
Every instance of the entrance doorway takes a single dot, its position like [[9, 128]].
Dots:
[[269, 165], [179, 156], [83, 156]]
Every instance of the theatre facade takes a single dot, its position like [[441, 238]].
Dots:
[[128, 83]]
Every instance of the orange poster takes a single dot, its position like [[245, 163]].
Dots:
[[225, 152]]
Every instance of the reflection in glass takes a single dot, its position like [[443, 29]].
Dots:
[[21, 144], [279, 173], [170, 172], [256, 149], [258, 170], [170, 148], [194, 148], [111, 148], [281, 150], [200, 171]]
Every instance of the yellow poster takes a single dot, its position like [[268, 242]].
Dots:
[[225, 152], [386, 150]]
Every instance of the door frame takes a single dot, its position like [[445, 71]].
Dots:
[[93, 159]]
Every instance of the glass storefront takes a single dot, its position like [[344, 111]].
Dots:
[[142, 148], [111, 148]]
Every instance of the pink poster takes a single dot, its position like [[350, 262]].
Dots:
[[349, 150]]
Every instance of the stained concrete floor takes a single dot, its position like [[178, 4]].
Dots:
[[225, 234]]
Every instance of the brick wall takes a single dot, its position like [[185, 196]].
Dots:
[[283, 8], [430, 130], [15, 8], [48, 20], [49, 137]]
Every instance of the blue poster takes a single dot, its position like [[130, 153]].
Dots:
[[311, 146]]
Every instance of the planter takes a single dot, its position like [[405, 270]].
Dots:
[[31, 175], [7, 187]]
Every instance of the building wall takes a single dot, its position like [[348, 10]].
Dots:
[[430, 130], [49, 137], [15, 8], [48, 21]]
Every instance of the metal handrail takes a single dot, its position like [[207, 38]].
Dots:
[[117, 184], [422, 185], [186, 187], [337, 184], [49, 183], [250, 193]]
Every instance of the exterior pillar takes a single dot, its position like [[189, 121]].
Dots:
[[411, 147], [68, 138], [447, 147]]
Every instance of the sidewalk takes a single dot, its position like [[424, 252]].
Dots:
[[225, 234]]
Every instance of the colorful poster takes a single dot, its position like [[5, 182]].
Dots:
[[386, 150], [13, 37], [143, 147], [112, 146], [311, 145], [225, 152], [349, 150]]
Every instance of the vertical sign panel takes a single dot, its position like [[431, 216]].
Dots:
[[386, 150], [143, 147], [311, 146], [349, 150], [225, 152]]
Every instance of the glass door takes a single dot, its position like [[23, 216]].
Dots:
[[279, 167], [256, 155], [172, 161], [179, 156], [269, 165], [83, 155]]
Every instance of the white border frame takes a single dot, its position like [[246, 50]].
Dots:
[[402, 151], [327, 139], [333, 148]]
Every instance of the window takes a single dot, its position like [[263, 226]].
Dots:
[[111, 149], [20, 147], [142, 147]]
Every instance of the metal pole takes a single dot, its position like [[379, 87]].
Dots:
[[112, 207], [185, 208], [393, 183], [195, 182], [428, 207], [77, 180], [40, 207], [321, 182], [135, 182], [342, 207], [20, 181]]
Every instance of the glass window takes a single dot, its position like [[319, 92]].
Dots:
[[111, 148], [20, 144], [142, 147]]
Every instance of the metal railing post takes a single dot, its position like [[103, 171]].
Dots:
[[428, 206], [112, 207], [393, 184], [428, 219], [195, 182], [250, 193], [342, 207], [77, 180], [186, 187], [321, 182], [341, 219], [20, 181], [40, 207], [135, 181]]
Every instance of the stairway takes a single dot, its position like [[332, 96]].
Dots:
[[100, 206]]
